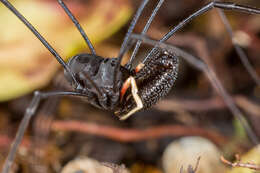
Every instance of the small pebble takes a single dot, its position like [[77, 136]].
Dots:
[[87, 165], [187, 150]]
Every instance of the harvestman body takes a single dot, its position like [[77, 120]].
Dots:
[[108, 85]]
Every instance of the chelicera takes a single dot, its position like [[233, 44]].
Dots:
[[106, 84]]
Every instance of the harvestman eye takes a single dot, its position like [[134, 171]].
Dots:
[[108, 85]]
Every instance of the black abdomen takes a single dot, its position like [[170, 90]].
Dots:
[[157, 77]]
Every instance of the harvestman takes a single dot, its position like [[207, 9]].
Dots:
[[108, 85]]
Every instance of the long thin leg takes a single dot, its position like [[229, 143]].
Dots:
[[239, 50], [41, 130], [146, 27], [131, 28], [124, 45], [209, 6], [39, 36], [76, 23], [41, 127], [38, 96], [195, 62]]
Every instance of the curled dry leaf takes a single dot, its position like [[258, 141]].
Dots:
[[25, 64]]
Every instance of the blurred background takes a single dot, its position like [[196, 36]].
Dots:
[[156, 140]]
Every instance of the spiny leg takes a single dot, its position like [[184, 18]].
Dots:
[[239, 50], [30, 111], [40, 37], [134, 90], [200, 65], [146, 27], [76, 23], [209, 6]]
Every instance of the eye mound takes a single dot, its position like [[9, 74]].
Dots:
[[106, 60], [113, 63], [81, 59]]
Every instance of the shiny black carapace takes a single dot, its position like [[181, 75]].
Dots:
[[104, 82]]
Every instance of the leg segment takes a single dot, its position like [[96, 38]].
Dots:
[[30, 111], [209, 6], [76, 23], [41, 127], [131, 28], [239, 50], [134, 90], [146, 27], [125, 43], [211, 76], [39, 36]]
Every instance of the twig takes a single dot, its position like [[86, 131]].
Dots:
[[125, 134], [5, 141], [238, 163], [131, 135], [212, 103]]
